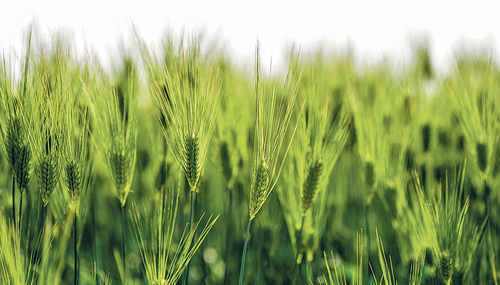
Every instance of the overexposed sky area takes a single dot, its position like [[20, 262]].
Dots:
[[375, 29]]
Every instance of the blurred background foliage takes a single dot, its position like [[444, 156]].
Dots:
[[401, 175]]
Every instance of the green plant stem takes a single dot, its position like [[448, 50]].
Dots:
[[47, 227], [299, 239], [191, 221], [193, 208], [75, 238], [124, 240], [45, 215], [228, 233], [21, 212], [298, 270], [368, 245], [308, 270], [14, 201], [157, 258], [94, 242], [243, 257]]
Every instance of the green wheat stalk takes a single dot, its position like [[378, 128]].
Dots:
[[48, 137], [187, 90], [320, 139], [15, 123], [114, 111], [273, 117], [77, 161]]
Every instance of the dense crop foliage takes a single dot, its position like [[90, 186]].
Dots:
[[159, 166]]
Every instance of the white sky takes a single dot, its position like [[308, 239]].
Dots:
[[376, 28]]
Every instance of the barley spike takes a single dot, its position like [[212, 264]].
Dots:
[[426, 137], [446, 266], [191, 163], [73, 179], [482, 159], [225, 160], [13, 140], [120, 165], [260, 187], [370, 174], [458, 277], [391, 197], [19, 154], [48, 175], [162, 175], [23, 167], [310, 187]]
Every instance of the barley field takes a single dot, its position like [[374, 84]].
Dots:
[[173, 166]]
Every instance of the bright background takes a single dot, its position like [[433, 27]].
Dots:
[[375, 29]]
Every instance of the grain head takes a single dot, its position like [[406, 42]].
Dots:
[[115, 107], [191, 161], [260, 188], [446, 266], [310, 187], [186, 87], [272, 120]]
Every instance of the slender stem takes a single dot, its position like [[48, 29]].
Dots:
[[124, 240], [47, 227], [94, 245], [162, 197], [299, 239], [193, 207], [298, 270], [21, 212], [75, 239], [308, 270], [228, 244], [95, 242], [368, 244], [243, 257], [45, 215], [14, 201], [191, 221]]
